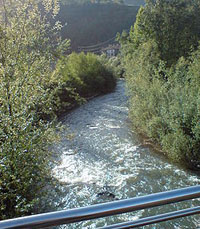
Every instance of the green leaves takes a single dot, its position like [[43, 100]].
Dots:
[[173, 25], [162, 73], [33, 89], [87, 74], [27, 44]]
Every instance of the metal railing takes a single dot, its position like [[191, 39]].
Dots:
[[112, 208]]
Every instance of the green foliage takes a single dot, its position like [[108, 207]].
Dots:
[[33, 89], [162, 73], [27, 48], [115, 63], [173, 25], [87, 74]]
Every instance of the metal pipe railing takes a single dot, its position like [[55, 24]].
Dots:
[[102, 210], [155, 219]]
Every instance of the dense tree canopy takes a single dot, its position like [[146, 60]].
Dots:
[[174, 26], [161, 60]]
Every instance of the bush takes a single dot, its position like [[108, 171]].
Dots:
[[166, 108], [87, 74]]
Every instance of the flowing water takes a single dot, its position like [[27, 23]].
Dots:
[[102, 160]]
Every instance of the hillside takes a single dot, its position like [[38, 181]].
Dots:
[[134, 2], [70, 2], [88, 24]]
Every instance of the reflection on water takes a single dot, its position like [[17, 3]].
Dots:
[[104, 161]]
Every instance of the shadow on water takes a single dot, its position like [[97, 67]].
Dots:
[[103, 160]]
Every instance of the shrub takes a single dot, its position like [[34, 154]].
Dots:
[[87, 74], [166, 108]]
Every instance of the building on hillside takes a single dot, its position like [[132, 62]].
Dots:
[[111, 50]]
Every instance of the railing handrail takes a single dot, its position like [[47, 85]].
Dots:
[[102, 210], [155, 219]]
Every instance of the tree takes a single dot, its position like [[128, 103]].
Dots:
[[161, 60], [28, 44], [173, 25]]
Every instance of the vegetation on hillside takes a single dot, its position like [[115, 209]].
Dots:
[[37, 82], [161, 60], [90, 24]]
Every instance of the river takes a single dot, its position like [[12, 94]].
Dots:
[[102, 160]]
